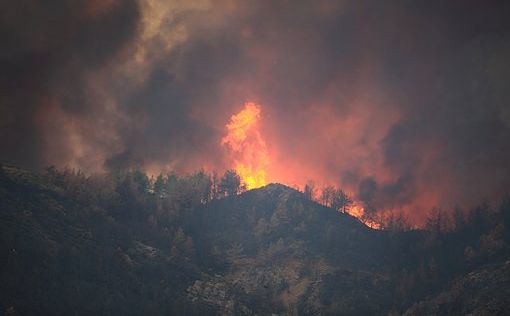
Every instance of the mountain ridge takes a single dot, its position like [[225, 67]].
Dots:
[[71, 243]]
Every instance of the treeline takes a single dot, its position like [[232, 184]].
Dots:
[[330, 196], [135, 190], [438, 221], [157, 208], [135, 187], [423, 259], [451, 244], [337, 199], [131, 193]]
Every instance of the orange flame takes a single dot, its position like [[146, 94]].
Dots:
[[247, 147], [358, 211]]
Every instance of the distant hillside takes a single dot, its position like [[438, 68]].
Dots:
[[485, 291], [118, 244]]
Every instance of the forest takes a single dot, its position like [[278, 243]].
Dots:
[[126, 243]]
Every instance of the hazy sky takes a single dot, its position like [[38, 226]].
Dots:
[[402, 102]]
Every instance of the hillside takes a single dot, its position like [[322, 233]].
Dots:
[[272, 245], [485, 291], [71, 244]]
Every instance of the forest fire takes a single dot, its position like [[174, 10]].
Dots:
[[250, 157], [356, 210], [198, 157], [246, 146]]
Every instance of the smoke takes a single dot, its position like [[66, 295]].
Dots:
[[403, 103], [53, 59]]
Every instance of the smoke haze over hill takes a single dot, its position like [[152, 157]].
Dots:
[[403, 104]]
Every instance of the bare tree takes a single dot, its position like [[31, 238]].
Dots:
[[327, 195], [340, 200], [335, 198]]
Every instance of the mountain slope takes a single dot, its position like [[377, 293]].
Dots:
[[59, 256], [272, 244], [485, 291], [111, 244]]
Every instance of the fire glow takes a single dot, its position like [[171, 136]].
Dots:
[[250, 156], [246, 146], [248, 153]]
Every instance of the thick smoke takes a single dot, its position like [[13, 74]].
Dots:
[[402, 103], [53, 55]]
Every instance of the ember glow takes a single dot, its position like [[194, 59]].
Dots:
[[246, 146]]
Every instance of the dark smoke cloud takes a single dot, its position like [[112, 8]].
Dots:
[[48, 50], [402, 102]]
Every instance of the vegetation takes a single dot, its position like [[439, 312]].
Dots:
[[125, 243]]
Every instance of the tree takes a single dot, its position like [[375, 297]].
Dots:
[[327, 195], [215, 186], [189, 191], [340, 201], [396, 222], [159, 187], [230, 183], [201, 185], [335, 198], [309, 190], [132, 188], [437, 221]]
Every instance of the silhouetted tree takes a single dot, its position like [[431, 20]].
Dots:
[[309, 190], [396, 223], [340, 201], [437, 221], [230, 183], [190, 190], [327, 195], [335, 198], [367, 190], [201, 186], [215, 186]]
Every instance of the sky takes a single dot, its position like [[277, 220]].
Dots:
[[404, 104]]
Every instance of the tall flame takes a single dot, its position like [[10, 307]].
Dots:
[[247, 147]]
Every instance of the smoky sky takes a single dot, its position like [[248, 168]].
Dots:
[[405, 103]]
